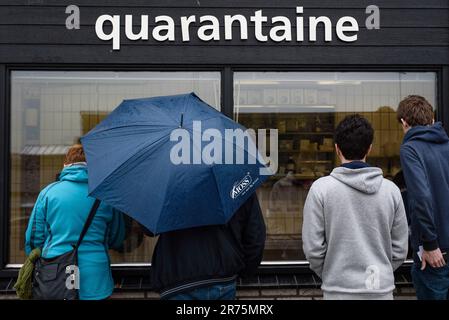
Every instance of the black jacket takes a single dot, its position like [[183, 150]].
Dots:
[[425, 162], [187, 259]]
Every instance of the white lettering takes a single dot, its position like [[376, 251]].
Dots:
[[73, 279], [341, 29], [299, 25], [285, 29], [313, 23], [212, 152], [115, 33], [213, 28], [185, 27], [238, 141], [373, 20], [180, 152], [164, 29], [143, 33], [168, 28], [73, 20], [258, 20], [229, 20]]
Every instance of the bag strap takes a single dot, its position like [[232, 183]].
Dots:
[[92, 212]]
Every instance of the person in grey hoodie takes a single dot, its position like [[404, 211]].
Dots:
[[355, 231]]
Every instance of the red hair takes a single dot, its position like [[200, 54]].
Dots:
[[75, 154]]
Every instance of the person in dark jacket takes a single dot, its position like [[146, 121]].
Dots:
[[203, 263], [399, 181], [425, 162]]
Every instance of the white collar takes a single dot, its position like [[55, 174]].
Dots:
[[75, 164]]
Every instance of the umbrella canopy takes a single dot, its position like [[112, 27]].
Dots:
[[130, 163]]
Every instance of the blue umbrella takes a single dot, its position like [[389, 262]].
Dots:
[[130, 159]]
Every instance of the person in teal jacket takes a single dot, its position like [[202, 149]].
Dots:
[[58, 217]]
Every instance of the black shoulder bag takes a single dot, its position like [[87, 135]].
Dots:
[[58, 278]]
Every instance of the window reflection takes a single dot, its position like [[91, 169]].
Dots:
[[51, 110], [305, 107]]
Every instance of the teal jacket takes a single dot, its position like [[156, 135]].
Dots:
[[56, 222]]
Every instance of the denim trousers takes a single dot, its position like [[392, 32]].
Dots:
[[431, 283], [221, 291]]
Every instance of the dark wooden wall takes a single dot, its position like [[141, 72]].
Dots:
[[412, 32]]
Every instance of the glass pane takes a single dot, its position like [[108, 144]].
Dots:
[[305, 107], [52, 110]]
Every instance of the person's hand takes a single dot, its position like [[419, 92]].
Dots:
[[434, 258]]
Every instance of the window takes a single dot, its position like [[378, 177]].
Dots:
[[51, 110], [305, 107]]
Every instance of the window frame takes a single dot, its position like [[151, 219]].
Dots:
[[227, 108]]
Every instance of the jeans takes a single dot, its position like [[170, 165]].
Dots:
[[431, 283], [221, 291]]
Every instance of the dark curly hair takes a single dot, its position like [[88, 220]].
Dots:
[[354, 136]]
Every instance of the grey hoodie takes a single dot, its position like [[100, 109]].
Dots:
[[355, 231]]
